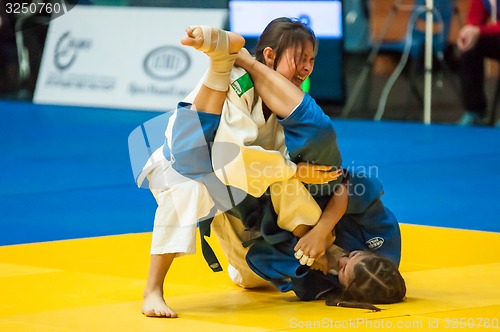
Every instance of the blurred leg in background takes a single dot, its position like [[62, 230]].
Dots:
[[473, 78], [8, 53]]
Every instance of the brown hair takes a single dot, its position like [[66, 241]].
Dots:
[[376, 281], [281, 34]]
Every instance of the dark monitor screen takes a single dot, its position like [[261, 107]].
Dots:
[[249, 18]]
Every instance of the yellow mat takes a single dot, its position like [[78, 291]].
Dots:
[[453, 281]]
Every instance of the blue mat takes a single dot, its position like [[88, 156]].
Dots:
[[67, 174], [437, 175]]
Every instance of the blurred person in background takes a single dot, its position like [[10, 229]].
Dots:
[[478, 39], [8, 52]]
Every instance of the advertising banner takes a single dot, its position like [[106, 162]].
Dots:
[[122, 57]]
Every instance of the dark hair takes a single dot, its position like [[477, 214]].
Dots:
[[376, 281], [281, 34]]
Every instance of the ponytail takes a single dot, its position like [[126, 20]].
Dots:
[[332, 301]]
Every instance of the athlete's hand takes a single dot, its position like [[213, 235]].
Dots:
[[194, 37], [467, 37], [313, 244], [321, 264], [244, 58], [316, 174]]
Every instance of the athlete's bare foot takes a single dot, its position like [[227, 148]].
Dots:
[[155, 306]]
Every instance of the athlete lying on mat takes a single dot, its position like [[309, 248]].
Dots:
[[174, 223]]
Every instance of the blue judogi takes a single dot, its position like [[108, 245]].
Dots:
[[366, 225]]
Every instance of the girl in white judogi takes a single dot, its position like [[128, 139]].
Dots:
[[185, 194]]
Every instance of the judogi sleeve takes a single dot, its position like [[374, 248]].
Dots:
[[367, 223]]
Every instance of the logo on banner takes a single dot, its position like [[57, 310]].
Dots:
[[67, 50], [66, 53], [166, 63]]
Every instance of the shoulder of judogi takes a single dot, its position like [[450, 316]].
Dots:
[[241, 82]]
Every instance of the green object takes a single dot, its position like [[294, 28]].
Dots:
[[306, 85], [242, 84]]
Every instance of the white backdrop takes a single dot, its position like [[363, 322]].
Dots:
[[122, 57]]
